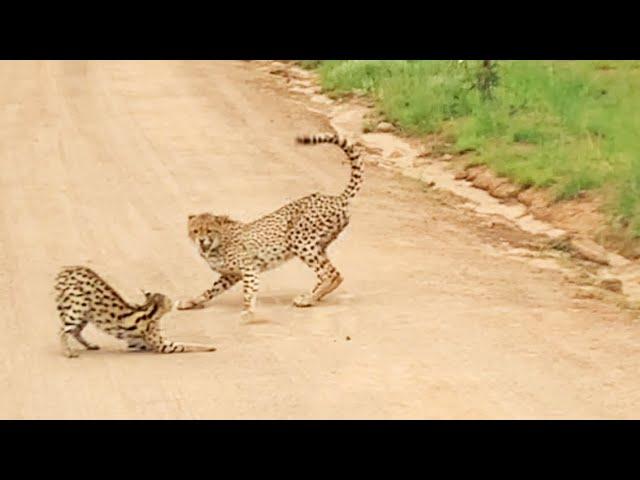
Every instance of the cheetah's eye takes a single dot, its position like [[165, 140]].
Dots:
[[208, 231]]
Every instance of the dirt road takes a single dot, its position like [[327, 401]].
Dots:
[[101, 163]]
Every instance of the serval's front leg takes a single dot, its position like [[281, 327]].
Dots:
[[159, 344], [137, 345]]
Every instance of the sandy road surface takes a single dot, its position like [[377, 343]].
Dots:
[[101, 163]]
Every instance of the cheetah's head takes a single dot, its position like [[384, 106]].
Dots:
[[205, 229]]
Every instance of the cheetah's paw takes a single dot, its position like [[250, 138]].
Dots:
[[188, 305], [247, 316], [304, 300]]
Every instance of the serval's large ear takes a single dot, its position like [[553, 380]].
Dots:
[[147, 295]]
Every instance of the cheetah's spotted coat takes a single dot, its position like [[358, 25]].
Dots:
[[303, 228]]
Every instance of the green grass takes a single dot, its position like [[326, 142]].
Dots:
[[569, 126]]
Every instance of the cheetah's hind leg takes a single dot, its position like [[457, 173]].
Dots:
[[328, 277]]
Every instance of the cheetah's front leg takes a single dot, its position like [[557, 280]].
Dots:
[[224, 283], [250, 283]]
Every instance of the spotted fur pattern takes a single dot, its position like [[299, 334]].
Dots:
[[303, 228], [83, 297]]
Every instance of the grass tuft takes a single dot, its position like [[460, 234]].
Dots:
[[571, 126]]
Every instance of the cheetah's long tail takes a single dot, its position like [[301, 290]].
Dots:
[[355, 181]]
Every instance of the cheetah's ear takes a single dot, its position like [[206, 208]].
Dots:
[[191, 217], [223, 219]]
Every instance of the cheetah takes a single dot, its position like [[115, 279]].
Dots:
[[84, 297], [303, 228]]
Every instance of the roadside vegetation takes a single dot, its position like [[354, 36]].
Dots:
[[569, 126]]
